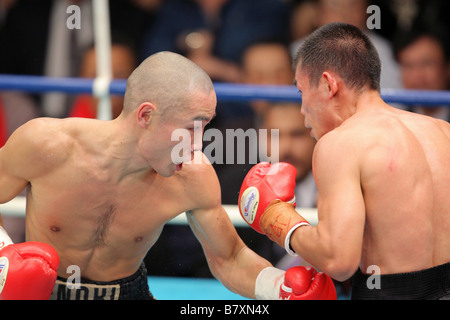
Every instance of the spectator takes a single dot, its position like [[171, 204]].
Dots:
[[423, 56], [266, 63], [406, 13], [295, 147], [214, 33], [303, 19], [123, 60], [133, 18], [354, 12]]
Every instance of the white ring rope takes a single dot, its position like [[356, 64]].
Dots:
[[16, 208]]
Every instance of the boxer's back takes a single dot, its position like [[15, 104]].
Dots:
[[406, 182]]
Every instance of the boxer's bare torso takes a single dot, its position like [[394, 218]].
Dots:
[[97, 215], [100, 192], [383, 184], [405, 183]]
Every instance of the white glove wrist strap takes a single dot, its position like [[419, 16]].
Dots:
[[5, 240], [268, 282], [287, 240]]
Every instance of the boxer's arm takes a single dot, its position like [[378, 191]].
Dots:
[[11, 184], [33, 149], [334, 245], [229, 259]]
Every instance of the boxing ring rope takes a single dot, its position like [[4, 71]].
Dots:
[[224, 91], [16, 208]]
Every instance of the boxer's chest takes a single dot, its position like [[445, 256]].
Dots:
[[95, 211]]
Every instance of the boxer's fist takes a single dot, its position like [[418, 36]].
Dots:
[[267, 202], [262, 184], [305, 283], [28, 272]]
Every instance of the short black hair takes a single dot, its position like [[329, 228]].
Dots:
[[343, 49]]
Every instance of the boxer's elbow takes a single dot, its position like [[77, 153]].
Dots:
[[220, 262], [341, 269], [326, 253]]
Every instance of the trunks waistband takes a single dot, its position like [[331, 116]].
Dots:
[[134, 287], [428, 284]]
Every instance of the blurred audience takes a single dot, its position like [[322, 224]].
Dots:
[[266, 63], [35, 40], [214, 33], [405, 13], [123, 62], [354, 12], [24, 44], [303, 19], [295, 146], [423, 55]]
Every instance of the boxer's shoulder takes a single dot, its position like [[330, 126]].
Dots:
[[43, 141], [200, 181], [199, 166], [359, 131], [42, 131]]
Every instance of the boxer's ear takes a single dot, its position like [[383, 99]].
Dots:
[[144, 114], [329, 81]]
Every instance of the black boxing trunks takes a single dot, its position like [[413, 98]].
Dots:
[[134, 287], [428, 284]]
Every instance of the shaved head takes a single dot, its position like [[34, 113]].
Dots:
[[166, 79]]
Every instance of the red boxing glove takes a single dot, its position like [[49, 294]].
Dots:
[[27, 271], [305, 283], [267, 202], [262, 184]]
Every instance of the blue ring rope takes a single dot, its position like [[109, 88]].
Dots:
[[224, 91]]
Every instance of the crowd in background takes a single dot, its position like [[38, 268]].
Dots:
[[237, 41]]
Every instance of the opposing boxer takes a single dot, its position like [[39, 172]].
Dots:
[[100, 192], [382, 177]]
